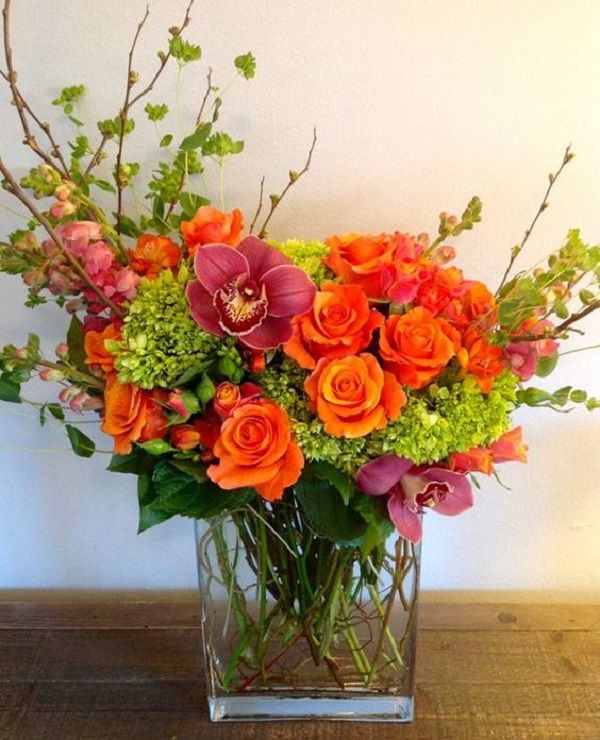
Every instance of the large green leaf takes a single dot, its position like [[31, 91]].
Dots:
[[75, 341], [180, 493], [9, 391], [327, 514], [373, 510], [325, 471], [148, 517], [81, 444]]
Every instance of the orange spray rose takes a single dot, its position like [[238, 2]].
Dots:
[[340, 323], [211, 226], [256, 448], [481, 359], [153, 254], [95, 349], [360, 259], [353, 396], [132, 414]]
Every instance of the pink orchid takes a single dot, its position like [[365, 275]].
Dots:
[[411, 489], [251, 292]]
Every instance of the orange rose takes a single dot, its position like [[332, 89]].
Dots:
[[436, 292], [95, 347], [481, 359], [416, 346], [132, 414], [256, 448], [353, 396], [340, 323], [360, 259], [476, 306], [211, 226], [153, 254], [185, 437]]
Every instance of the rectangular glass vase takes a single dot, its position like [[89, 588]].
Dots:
[[295, 627]]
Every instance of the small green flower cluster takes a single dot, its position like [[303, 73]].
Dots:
[[161, 340], [307, 255], [433, 424]]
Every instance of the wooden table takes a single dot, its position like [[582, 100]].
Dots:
[[132, 670]]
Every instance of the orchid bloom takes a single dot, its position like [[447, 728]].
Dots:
[[251, 292], [411, 489]]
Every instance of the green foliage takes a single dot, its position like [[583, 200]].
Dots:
[[10, 391], [327, 513], [80, 443], [450, 226], [197, 139], [183, 51], [156, 112], [556, 400], [167, 180], [160, 338], [43, 180], [245, 65], [66, 100], [113, 126], [75, 342], [166, 140], [327, 472], [221, 145], [190, 203]]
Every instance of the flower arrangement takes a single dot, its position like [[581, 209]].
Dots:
[[320, 395]]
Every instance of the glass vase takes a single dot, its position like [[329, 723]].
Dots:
[[297, 627]]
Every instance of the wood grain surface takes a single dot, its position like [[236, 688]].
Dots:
[[132, 670]]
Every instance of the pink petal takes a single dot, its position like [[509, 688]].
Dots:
[[406, 521], [290, 292], [218, 264], [271, 333], [261, 257], [460, 497], [202, 307], [380, 475]]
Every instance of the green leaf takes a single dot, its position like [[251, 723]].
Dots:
[[325, 471], [157, 447], [146, 494], [533, 396], [192, 373], [102, 184], [546, 365], [56, 410], [327, 513], [196, 470], [9, 391], [80, 443], [183, 51], [246, 65], [156, 112], [181, 493], [190, 202], [221, 145], [197, 139], [136, 462], [166, 140], [129, 227], [578, 396], [75, 340]]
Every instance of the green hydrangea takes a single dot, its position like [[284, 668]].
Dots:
[[307, 255], [161, 341], [432, 425]]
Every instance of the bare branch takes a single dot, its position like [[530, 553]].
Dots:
[[23, 107], [260, 205], [16, 190], [294, 177], [205, 98], [516, 251], [560, 328]]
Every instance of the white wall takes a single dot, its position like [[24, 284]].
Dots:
[[418, 105]]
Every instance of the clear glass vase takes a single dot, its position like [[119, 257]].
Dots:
[[296, 627]]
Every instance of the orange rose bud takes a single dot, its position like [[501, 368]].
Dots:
[[153, 254], [353, 396], [132, 414], [95, 350], [510, 447], [185, 437], [481, 359], [211, 226], [340, 323], [476, 460], [256, 448], [360, 259], [227, 397], [416, 346]]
